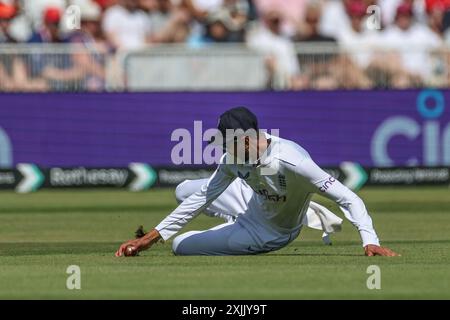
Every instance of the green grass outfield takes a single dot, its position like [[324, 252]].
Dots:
[[42, 234]]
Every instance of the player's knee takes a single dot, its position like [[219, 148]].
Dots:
[[181, 192], [177, 248], [175, 244]]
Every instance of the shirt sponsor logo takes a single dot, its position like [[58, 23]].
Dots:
[[271, 197], [327, 184]]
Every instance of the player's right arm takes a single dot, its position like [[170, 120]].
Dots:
[[185, 212], [196, 203], [352, 206]]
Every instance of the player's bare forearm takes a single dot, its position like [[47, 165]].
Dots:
[[149, 239], [133, 247]]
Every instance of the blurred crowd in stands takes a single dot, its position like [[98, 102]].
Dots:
[[396, 44]]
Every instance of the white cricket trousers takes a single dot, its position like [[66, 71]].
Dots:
[[232, 238], [226, 239]]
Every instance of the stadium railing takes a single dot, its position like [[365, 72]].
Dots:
[[174, 67], [323, 66], [38, 67], [328, 66]]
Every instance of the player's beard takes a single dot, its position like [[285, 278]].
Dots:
[[244, 151], [251, 153]]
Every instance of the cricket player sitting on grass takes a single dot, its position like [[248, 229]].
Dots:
[[282, 176], [233, 202]]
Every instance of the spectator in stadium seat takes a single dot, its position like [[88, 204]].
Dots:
[[126, 26], [105, 4], [436, 14], [35, 9], [13, 68], [90, 32], [170, 23], [239, 15], [19, 28], [292, 12], [418, 38], [7, 14], [148, 6], [358, 39], [319, 67], [335, 18], [389, 9], [308, 30], [281, 57], [200, 9], [446, 25], [65, 71], [439, 22], [89, 67], [225, 25], [218, 28], [50, 31], [161, 14]]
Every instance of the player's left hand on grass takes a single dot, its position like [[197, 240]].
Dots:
[[133, 247], [374, 250]]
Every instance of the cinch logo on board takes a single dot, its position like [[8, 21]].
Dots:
[[433, 138]]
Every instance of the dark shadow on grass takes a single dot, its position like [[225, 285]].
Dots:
[[86, 209], [387, 242], [314, 255], [45, 248], [106, 248]]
